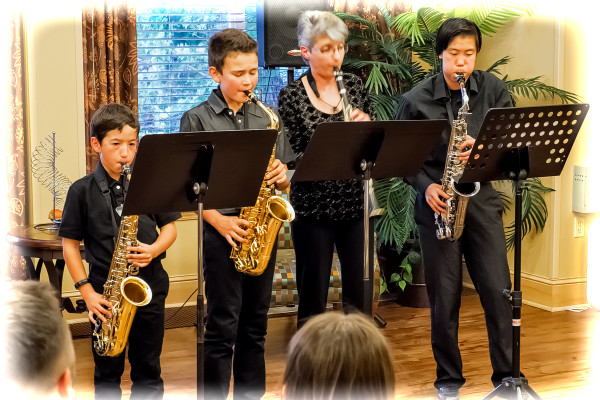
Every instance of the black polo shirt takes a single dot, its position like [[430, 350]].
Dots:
[[215, 115], [86, 216], [431, 100]]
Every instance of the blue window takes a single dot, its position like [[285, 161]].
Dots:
[[173, 60]]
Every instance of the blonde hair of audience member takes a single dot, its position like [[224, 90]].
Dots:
[[337, 356], [37, 349]]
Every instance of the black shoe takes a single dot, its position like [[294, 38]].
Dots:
[[447, 393]]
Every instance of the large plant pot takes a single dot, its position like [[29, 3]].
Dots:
[[415, 294], [389, 262]]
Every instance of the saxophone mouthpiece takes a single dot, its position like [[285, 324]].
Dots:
[[251, 96], [460, 77], [125, 169]]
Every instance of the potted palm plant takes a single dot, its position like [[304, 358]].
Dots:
[[392, 58]]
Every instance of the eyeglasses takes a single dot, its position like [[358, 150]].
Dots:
[[329, 50]]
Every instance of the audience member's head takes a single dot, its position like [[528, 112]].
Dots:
[[37, 350], [337, 356]]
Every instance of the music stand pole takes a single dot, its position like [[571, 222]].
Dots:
[[368, 254], [200, 191], [517, 143], [516, 384]]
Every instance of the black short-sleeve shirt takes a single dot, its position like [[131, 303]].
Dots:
[[86, 216], [215, 115]]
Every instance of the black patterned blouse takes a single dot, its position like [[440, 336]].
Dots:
[[333, 200]]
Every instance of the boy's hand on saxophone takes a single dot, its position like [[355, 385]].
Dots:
[[140, 255], [97, 305], [466, 148], [277, 175]]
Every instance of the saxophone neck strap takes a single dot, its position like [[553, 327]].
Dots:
[[100, 178], [450, 111]]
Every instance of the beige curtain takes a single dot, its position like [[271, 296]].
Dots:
[[18, 171], [110, 61]]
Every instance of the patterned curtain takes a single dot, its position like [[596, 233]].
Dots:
[[368, 10], [109, 61], [18, 172]]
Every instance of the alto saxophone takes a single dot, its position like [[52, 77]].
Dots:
[[451, 223], [265, 217], [125, 292]]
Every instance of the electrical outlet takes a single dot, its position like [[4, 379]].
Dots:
[[579, 227]]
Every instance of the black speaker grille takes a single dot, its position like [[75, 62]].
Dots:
[[277, 24]]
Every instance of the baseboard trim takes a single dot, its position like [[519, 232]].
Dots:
[[176, 316]]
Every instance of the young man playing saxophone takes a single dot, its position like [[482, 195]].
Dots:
[[457, 43]]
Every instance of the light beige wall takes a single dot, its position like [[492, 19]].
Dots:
[[554, 263], [54, 66], [55, 72]]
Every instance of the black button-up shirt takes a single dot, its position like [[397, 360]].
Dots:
[[86, 216], [215, 115], [428, 101]]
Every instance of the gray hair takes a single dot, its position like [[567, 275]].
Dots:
[[313, 25], [37, 348]]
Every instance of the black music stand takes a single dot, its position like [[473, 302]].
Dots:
[[173, 172], [516, 144], [365, 150]]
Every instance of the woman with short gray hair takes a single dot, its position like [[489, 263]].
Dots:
[[313, 25], [328, 213]]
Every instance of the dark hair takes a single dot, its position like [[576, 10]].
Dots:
[[227, 41], [112, 116], [453, 27], [337, 356]]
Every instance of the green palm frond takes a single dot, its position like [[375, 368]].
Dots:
[[414, 24], [426, 52], [533, 88], [490, 17], [378, 73], [503, 61], [397, 223], [386, 15], [534, 209], [384, 105]]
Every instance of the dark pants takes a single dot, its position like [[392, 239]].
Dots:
[[144, 345], [236, 323], [484, 248], [314, 242]]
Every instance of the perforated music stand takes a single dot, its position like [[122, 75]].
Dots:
[[516, 144], [365, 150], [196, 171]]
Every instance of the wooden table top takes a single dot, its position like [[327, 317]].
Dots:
[[32, 237]]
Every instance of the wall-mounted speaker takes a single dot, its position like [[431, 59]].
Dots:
[[276, 25]]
